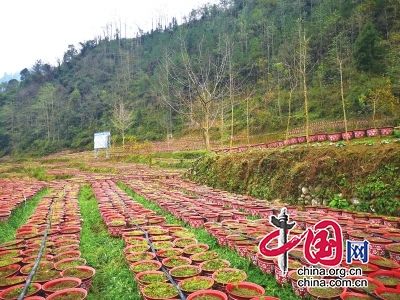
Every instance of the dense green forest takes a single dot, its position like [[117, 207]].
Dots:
[[239, 67]]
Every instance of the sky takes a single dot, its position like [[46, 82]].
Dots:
[[43, 29]]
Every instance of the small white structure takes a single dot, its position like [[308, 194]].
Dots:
[[102, 141]]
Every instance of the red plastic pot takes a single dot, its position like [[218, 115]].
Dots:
[[248, 285], [47, 287], [79, 262], [357, 264], [334, 137], [359, 133], [387, 130], [187, 250], [138, 256], [181, 242], [25, 270], [72, 291], [143, 283], [32, 259], [71, 247], [372, 284], [205, 278], [347, 135], [394, 251], [87, 280], [383, 263], [214, 293], [394, 274], [221, 285], [316, 296], [298, 290], [392, 292], [9, 270], [67, 254], [377, 246], [266, 264], [3, 294], [347, 295], [372, 132], [147, 297], [177, 278], [156, 265], [16, 280]]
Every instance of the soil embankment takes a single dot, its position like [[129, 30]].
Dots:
[[368, 176]]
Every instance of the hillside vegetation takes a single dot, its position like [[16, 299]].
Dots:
[[255, 66], [363, 176]]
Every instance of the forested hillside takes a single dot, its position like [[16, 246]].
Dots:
[[240, 67]]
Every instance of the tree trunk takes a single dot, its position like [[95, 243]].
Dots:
[[123, 139], [289, 114], [343, 102], [206, 138]]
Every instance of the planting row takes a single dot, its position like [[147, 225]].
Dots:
[[44, 254], [14, 192], [320, 137], [243, 235], [159, 253]]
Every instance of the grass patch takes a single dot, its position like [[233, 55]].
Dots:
[[113, 279], [254, 274], [19, 217]]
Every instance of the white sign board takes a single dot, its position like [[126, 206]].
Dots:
[[102, 140]]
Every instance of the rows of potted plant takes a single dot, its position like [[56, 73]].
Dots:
[[14, 192], [318, 137], [206, 200], [61, 272], [175, 251]]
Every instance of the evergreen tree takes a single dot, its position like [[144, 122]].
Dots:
[[368, 52]]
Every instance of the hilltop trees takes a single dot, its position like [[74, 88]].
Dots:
[[299, 75], [368, 52]]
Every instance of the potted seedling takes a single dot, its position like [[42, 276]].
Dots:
[[222, 277], [196, 248], [394, 251], [84, 273], [244, 290], [325, 293], [145, 265], [196, 283], [387, 278], [69, 262], [203, 256], [71, 293], [13, 292], [183, 242], [388, 293], [55, 285], [210, 266], [159, 290], [149, 277], [183, 272], [138, 256], [175, 261]]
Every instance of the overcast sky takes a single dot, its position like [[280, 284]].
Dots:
[[43, 29]]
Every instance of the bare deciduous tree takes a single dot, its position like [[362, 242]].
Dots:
[[122, 118], [196, 84]]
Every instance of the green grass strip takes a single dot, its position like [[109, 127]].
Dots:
[[19, 216], [113, 279], [254, 274]]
